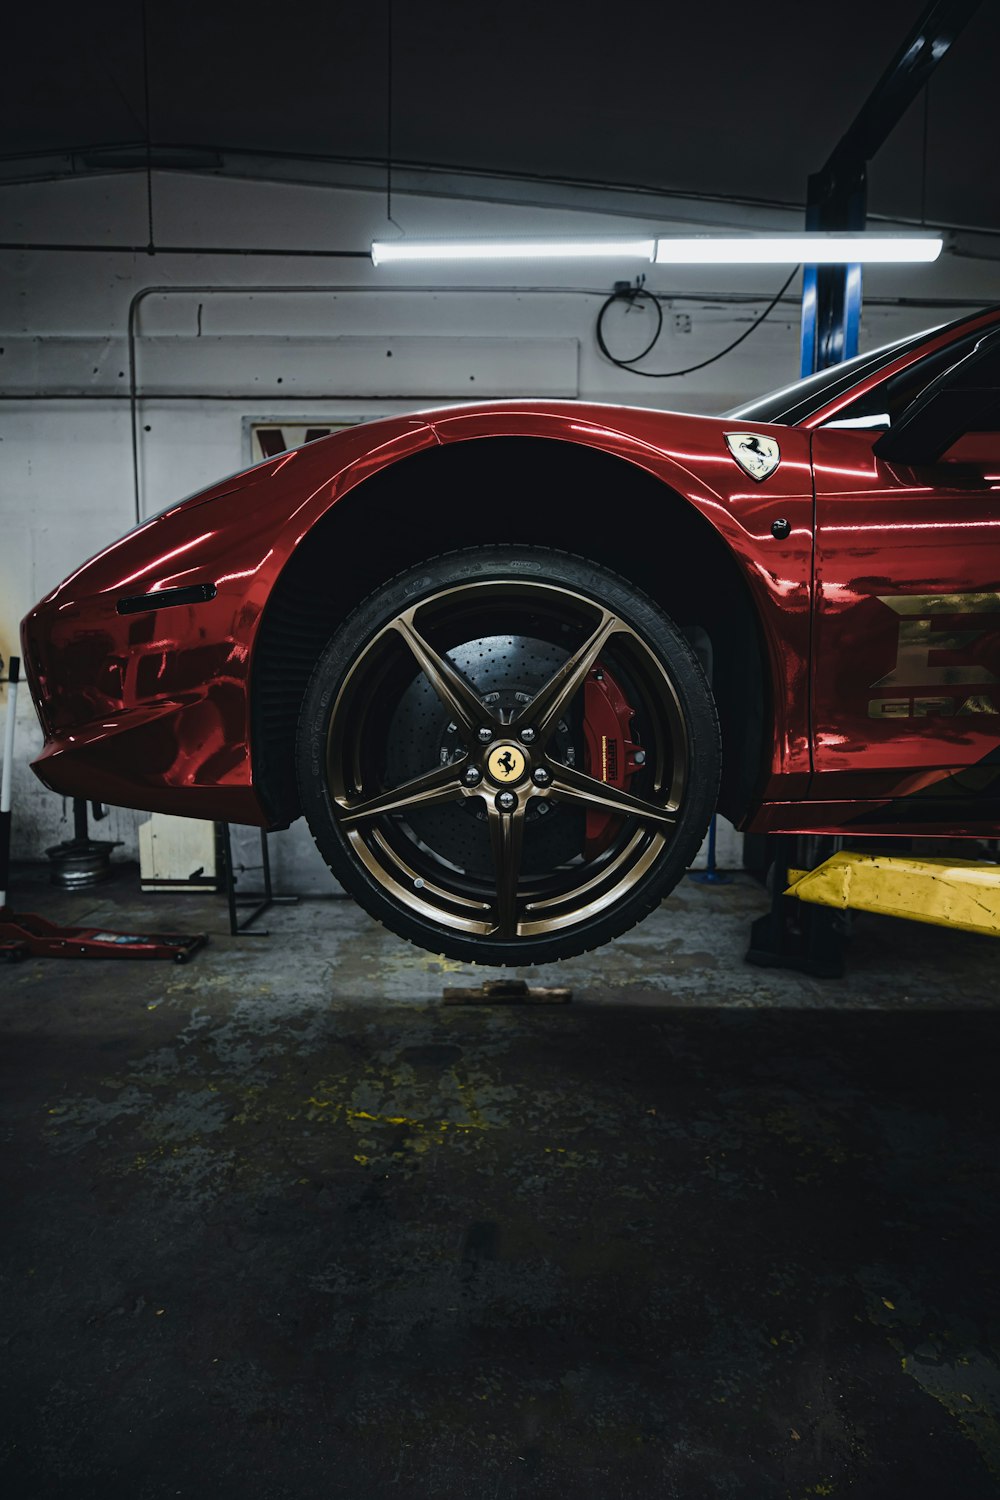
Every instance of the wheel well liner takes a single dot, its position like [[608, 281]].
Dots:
[[538, 491]]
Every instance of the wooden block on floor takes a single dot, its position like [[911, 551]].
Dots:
[[509, 992]]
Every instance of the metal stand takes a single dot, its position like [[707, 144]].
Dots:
[[710, 875], [807, 939], [260, 901]]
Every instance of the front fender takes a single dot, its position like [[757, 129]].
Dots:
[[688, 454]]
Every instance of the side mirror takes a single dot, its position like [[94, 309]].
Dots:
[[965, 398], [980, 449]]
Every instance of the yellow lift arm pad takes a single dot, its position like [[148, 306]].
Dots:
[[963, 893]]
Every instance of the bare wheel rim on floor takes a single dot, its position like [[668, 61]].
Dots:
[[454, 754]]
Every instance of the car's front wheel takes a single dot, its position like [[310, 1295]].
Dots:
[[508, 755]]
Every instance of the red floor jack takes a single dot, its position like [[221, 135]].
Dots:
[[24, 933]]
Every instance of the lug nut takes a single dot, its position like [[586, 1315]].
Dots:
[[472, 775], [484, 735], [528, 736], [540, 776], [506, 801]]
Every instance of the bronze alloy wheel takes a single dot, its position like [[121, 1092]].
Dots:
[[508, 755]]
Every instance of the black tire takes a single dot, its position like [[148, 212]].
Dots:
[[392, 702]]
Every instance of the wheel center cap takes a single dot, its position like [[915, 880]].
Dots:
[[506, 764]]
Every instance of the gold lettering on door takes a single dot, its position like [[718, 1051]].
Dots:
[[920, 637]]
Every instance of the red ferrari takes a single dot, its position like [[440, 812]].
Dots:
[[507, 659]]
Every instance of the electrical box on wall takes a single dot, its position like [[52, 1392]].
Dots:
[[177, 854]]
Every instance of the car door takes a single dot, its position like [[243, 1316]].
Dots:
[[906, 639]]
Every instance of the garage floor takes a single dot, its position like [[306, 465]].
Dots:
[[281, 1225]]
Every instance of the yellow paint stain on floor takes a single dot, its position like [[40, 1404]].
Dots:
[[977, 1416]]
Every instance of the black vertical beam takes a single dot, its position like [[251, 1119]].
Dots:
[[837, 194], [934, 32]]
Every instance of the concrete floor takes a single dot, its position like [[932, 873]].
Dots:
[[279, 1224]]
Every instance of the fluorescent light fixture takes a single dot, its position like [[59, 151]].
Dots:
[[795, 249], [389, 252], [692, 250]]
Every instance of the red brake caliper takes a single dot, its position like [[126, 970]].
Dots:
[[609, 750]]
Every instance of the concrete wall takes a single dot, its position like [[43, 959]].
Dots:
[[223, 340]]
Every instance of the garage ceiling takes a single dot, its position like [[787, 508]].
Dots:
[[715, 100]]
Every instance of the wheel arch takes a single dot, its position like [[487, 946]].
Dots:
[[512, 489]]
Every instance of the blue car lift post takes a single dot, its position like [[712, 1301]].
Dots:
[[810, 939]]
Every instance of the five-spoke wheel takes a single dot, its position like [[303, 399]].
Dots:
[[508, 755]]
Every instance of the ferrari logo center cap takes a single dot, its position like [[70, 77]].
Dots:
[[759, 456], [506, 764]]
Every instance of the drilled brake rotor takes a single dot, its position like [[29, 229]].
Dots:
[[506, 671]]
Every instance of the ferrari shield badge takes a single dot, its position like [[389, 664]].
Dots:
[[759, 456]]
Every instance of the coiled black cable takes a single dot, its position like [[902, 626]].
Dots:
[[632, 294]]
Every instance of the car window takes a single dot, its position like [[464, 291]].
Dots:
[[881, 407], [793, 403], [796, 403]]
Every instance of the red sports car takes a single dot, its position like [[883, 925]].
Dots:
[[507, 659]]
